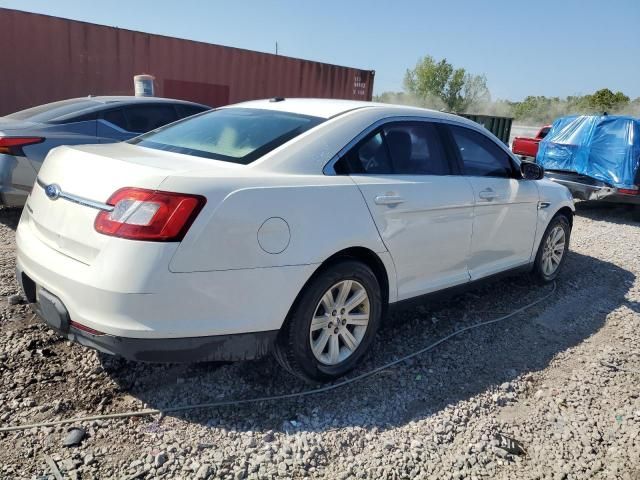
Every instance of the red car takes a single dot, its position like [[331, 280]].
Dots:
[[528, 147]]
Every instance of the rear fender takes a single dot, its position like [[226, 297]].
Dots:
[[262, 227]]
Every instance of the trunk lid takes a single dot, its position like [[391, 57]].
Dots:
[[93, 173]]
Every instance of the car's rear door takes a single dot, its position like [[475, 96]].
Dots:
[[506, 206], [421, 206]]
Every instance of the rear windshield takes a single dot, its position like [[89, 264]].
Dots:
[[53, 111], [239, 135]]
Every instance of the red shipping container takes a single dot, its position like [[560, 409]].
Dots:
[[49, 58]]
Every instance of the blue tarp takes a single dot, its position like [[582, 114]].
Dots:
[[604, 147]]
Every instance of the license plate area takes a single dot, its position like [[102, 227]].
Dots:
[[52, 310]]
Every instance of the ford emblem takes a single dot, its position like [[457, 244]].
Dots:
[[52, 191]]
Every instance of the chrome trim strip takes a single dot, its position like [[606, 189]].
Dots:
[[85, 202]]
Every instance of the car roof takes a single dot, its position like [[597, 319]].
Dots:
[[328, 108], [102, 102], [63, 110], [104, 99]]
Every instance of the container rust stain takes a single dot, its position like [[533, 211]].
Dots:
[[52, 58]]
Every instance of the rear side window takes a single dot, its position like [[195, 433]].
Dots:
[[87, 117], [239, 135], [480, 156], [544, 132], [369, 156], [400, 149], [115, 117], [144, 118], [188, 110]]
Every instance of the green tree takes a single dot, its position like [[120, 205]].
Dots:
[[454, 87], [605, 100]]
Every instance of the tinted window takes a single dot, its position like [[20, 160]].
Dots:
[[401, 149], [188, 110], [416, 150], [369, 156], [54, 111], [143, 118], [544, 132], [239, 135], [116, 117], [79, 118], [480, 156]]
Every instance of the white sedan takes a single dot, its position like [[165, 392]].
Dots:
[[284, 225]]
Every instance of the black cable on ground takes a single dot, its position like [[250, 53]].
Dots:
[[304, 393]]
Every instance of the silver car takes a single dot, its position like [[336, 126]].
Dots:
[[27, 136]]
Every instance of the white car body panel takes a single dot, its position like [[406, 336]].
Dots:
[[266, 228], [504, 227], [227, 237], [429, 234], [553, 198]]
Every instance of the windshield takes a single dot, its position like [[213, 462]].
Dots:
[[239, 135], [53, 111]]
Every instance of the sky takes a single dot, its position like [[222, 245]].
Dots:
[[542, 47]]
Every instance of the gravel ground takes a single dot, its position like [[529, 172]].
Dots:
[[560, 379]]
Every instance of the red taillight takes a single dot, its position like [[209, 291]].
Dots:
[[628, 191], [11, 145], [140, 214], [84, 328]]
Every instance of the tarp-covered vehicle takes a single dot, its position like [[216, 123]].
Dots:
[[597, 157]]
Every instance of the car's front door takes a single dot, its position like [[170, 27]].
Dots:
[[506, 206], [422, 208]]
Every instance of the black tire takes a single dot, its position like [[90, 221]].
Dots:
[[293, 347], [538, 270]]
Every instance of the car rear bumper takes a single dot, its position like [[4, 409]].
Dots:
[[141, 299], [52, 311]]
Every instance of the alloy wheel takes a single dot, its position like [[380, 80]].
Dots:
[[553, 251], [339, 322]]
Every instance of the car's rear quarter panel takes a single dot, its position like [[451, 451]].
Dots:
[[324, 215]]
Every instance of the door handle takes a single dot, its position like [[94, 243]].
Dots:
[[389, 200], [488, 194]]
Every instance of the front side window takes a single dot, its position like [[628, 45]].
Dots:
[[480, 156], [238, 135], [398, 149]]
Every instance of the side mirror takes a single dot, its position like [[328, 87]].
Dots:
[[531, 171]]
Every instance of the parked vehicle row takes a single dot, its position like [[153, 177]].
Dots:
[[27, 136], [287, 225]]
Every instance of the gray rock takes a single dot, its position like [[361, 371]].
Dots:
[[160, 459], [74, 437], [203, 472]]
